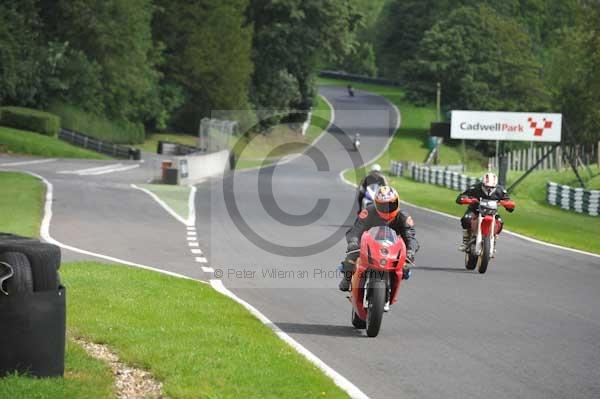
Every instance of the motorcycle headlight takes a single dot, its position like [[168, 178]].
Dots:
[[383, 262], [384, 251]]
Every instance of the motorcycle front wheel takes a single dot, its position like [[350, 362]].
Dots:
[[375, 310], [486, 255]]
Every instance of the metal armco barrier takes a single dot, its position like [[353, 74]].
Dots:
[[573, 199], [442, 177], [171, 148], [90, 143]]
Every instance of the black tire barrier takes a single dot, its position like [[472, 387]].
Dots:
[[32, 313], [22, 281], [44, 260], [33, 327], [135, 154]]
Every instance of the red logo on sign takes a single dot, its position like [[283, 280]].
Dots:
[[539, 130]]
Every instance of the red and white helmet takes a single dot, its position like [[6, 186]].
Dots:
[[489, 182], [387, 202]]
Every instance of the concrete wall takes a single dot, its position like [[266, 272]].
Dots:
[[193, 168]]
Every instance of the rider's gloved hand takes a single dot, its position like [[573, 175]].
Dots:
[[410, 256], [353, 246]]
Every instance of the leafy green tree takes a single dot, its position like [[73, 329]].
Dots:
[[361, 57], [483, 61], [20, 59], [116, 35], [207, 55], [573, 77], [294, 37]]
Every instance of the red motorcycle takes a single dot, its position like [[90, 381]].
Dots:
[[484, 231], [377, 276]]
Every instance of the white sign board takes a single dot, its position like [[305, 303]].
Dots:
[[516, 126]]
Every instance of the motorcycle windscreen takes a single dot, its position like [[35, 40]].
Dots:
[[383, 234], [372, 190]]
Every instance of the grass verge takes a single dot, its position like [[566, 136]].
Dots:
[[533, 216], [85, 377], [282, 140], [14, 141], [20, 204], [117, 132], [176, 197], [198, 342]]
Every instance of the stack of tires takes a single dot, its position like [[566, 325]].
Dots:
[[32, 308]]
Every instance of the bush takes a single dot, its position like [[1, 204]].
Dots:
[[117, 132], [30, 119]]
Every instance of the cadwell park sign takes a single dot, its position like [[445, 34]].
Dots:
[[514, 126]]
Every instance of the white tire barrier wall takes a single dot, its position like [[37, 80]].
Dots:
[[440, 177], [574, 199], [194, 168], [396, 168]]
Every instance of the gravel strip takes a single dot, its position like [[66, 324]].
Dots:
[[131, 383]]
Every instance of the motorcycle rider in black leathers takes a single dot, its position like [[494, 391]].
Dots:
[[374, 177], [487, 189], [384, 211]]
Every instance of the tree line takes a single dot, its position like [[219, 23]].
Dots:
[[513, 55], [168, 63]]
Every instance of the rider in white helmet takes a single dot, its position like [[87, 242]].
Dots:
[[487, 189], [374, 177]]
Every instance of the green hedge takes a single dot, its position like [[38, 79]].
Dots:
[[30, 119], [117, 132]]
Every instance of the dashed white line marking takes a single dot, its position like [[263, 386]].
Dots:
[[201, 259], [27, 162], [196, 251], [191, 227], [191, 238], [191, 233], [208, 269], [193, 244]]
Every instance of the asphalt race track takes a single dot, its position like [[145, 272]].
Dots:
[[528, 328]]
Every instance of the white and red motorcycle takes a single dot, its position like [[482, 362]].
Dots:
[[484, 232]]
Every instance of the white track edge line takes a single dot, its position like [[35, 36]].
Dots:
[[191, 220], [45, 233], [85, 171], [36, 161], [119, 169], [338, 379]]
